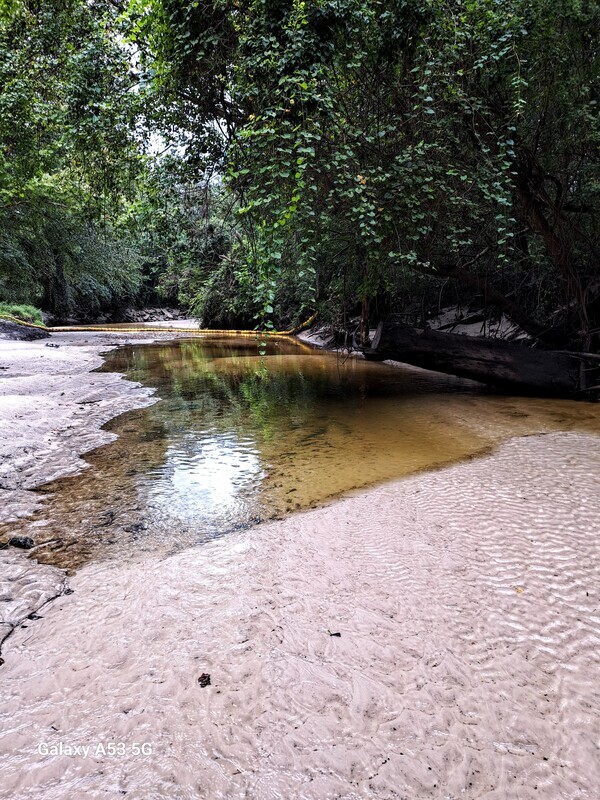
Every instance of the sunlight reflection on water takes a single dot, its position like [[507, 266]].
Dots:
[[205, 477]]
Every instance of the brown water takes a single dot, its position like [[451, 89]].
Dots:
[[237, 438]]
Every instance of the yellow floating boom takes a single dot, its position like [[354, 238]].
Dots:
[[155, 329]]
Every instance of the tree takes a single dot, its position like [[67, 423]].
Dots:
[[374, 144], [70, 153]]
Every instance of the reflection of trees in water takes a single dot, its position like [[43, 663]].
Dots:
[[226, 389]]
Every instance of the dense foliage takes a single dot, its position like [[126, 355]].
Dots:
[[376, 145], [69, 156], [259, 161]]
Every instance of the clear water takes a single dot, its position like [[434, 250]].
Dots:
[[238, 438]]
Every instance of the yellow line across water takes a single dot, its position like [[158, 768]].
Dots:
[[154, 329]]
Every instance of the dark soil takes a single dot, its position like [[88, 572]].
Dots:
[[12, 330]]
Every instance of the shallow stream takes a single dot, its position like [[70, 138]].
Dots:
[[238, 438]]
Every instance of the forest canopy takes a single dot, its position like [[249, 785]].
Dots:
[[260, 161]]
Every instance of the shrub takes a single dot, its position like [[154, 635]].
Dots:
[[24, 312]]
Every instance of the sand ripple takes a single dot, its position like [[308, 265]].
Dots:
[[467, 663], [25, 587]]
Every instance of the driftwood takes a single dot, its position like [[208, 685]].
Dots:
[[492, 361]]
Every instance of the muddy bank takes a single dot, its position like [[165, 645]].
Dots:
[[16, 332], [466, 663]]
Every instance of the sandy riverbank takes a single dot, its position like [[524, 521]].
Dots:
[[52, 408], [467, 663]]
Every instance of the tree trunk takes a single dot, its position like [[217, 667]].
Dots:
[[487, 360], [364, 323], [364, 308], [557, 240]]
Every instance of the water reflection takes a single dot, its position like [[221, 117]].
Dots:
[[204, 477], [238, 437]]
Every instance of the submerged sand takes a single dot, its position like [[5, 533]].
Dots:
[[467, 662]]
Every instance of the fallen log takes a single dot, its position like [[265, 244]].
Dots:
[[491, 361]]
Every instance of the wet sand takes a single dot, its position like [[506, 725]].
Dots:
[[467, 663], [52, 407]]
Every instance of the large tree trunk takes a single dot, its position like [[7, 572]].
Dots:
[[488, 360], [547, 219]]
